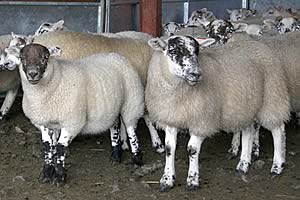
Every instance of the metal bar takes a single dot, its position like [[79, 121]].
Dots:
[[34, 3], [244, 4], [107, 16], [103, 15], [185, 12], [99, 19], [125, 3]]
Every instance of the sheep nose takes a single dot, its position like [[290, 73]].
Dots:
[[196, 75], [33, 74]]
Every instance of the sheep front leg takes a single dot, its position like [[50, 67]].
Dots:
[[48, 172], [167, 180], [279, 150], [247, 143], [116, 153], [256, 146], [193, 149], [8, 101], [64, 139], [155, 139], [135, 147]]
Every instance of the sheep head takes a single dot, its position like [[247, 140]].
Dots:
[[221, 30], [182, 56], [171, 28], [34, 59]]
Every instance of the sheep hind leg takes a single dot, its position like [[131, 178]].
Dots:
[[155, 139], [48, 172], [193, 149], [8, 101], [167, 181], [235, 146], [247, 143], [135, 147], [279, 150], [116, 153]]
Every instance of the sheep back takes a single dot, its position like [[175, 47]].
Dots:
[[79, 45]]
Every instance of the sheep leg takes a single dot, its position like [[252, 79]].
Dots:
[[193, 149], [64, 138], [235, 145], [255, 150], [8, 101], [116, 153], [247, 143], [167, 180], [48, 172], [123, 137], [135, 147], [279, 150], [155, 139]]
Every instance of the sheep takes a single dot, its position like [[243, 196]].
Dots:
[[9, 79], [76, 45], [240, 14], [286, 47], [171, 28], [50, 27], [211, 90], [100, 88], [200, 18]]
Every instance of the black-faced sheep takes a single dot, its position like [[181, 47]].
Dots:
[[64, 98]]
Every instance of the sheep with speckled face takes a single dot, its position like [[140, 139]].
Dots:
[[65, 98], [215, 89]]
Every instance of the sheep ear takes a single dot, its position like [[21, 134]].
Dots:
[[209, 14], [55, 51], [14, 35], [205, 42], [59, 24], [158, 44], [240, 27], [229, 11], [204, 9]]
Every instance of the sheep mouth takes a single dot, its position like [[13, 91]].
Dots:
[[33, 81]]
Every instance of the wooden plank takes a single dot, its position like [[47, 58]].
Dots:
[[150, 17]]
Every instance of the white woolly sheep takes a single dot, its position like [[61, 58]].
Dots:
[[286, 47], [76, 45], [64, 98], [9, 79], [212, 90]]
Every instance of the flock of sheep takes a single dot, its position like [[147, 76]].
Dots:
[[202, 76]]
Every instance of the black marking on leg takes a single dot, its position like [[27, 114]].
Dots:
[[116, 153], [59, 165], [168, 150], [191, 151], [48, 172]]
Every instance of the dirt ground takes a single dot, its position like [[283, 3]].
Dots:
[[91, 175]]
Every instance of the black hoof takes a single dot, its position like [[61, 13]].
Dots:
[[138, 158], [60, 175], [116, 153], [47, 174], [192, 187], [164, 188]]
